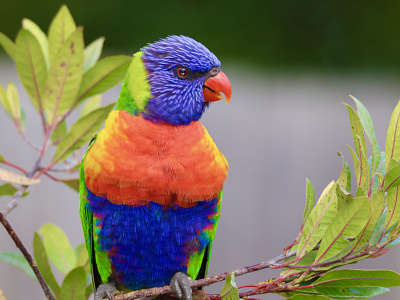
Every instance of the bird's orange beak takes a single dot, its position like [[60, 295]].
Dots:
[[216, 85]]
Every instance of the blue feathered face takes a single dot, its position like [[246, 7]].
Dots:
[[178, 68]]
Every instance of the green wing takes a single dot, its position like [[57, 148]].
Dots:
[[199, 262], [88, 227]]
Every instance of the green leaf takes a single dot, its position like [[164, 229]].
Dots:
[[58, 247], [378, 230], [17, 113], [61, 28], [64, 77], [368, 126], [4, 100], [393, 206], [7, 189], [107, 73], [59, 132], [74, 285], [357, 131], [40, 36], [318, 220], [8, 45], [392, 147], [2, 159], [18, 260], [90, 105], [81, 132], [392, 178], [43, 264], [31, 66], [359, 278], [307, 297], [73, 183], [89, 289], [310, 200], [343, 178], [378, 173], [92, 53], [347, 224], [349, 292], [230, 290], [377, 204]]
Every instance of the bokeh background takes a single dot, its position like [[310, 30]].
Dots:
[[290, 64]]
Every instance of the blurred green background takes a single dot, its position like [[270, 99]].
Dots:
[[321, 34]]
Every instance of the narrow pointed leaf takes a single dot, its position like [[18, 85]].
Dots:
[[43, 264], [104, 75], [64, 77], [347, 224], [61, 28], [72, 183], [368, 126], [348, 292], [13, 102], [380, 170], [393, 206], [74, 285], [18, 260], [307, 297], [343, 175], [4, 100], [310, 200], [8, 189], [357, 131], [392, 147], [40, 36], [318, 220], [58, 248], [92, 53], [230, 290], [2, 159], [8, 45], [359, 278], [90, 105], [12, 177], [81, 132], [31, 66]]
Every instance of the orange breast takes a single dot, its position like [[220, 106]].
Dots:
[[134, 161]]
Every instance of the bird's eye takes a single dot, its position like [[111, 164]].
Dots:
[[182, 72], [214, 71]]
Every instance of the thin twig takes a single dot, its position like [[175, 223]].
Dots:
[[27, 255], [14, 201]]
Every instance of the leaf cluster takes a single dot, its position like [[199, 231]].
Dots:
[[50, 244]]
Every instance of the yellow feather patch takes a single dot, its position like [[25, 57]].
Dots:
[[138, 85]]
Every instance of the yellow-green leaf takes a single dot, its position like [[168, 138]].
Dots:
[[318, 220], [61, 28], [393, 206], [90, 105], [18, 260], [392, 147], [105, 74], [72, 183], [4, 100], [43, 264], [8, 45], [347, 224], [58, 247], [12, 177], [74, 285], [81, 132], [230, 290], [92, 53], [8, 189], [40, 36], [31, 66], [64, 77], [59, 132], [310, 200]]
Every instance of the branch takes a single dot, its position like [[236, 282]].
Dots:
[[27, 255], [206, 281]]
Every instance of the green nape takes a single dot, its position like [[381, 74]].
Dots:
[[135, 91]]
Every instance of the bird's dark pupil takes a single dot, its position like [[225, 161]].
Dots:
[[182, 72]]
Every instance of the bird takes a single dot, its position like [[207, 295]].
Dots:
[[151, 181]]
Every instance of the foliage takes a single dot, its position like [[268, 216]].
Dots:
[[59, 74]]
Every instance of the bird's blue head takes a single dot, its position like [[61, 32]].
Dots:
[[173, 80]]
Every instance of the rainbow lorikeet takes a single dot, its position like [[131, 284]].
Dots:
[[151, 180]]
